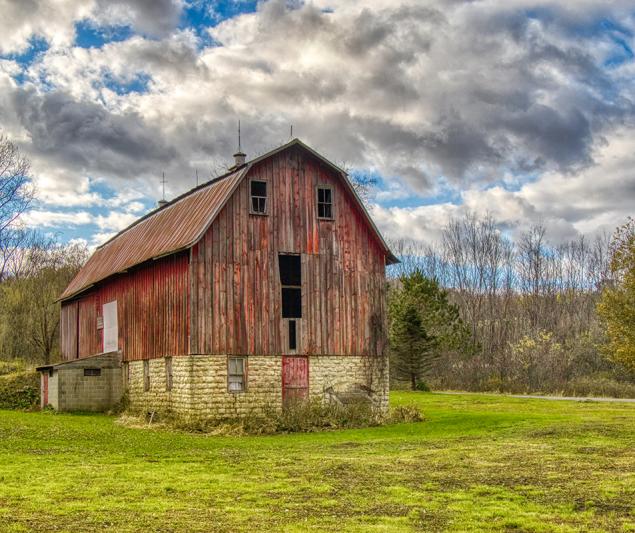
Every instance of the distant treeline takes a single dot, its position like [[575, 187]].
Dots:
[[530, 308]]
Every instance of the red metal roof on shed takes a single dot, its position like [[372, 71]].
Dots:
[[166, 230]]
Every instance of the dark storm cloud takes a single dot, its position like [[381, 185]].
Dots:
[[83, 135]]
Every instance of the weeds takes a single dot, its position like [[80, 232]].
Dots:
[[304, 416]]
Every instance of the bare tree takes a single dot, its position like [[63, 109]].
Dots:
[[16, 195]]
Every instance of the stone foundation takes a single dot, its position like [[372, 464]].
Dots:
[[200, 388]]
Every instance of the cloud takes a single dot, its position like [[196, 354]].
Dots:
[[593, 202], [54, 22], [55, 219], [459, 93]]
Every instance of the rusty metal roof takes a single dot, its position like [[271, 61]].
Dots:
[[166, 230], [179, 224]]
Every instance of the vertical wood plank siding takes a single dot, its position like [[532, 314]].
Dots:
[[152, 309], [235, 284]]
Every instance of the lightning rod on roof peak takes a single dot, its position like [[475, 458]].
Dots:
[[239, 147]]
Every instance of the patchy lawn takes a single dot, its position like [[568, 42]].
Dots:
[[478, 463]]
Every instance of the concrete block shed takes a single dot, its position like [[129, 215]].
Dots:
[[89, 384]]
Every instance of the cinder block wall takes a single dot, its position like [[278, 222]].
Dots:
[[199, 383], [71, 390], [78, 392]]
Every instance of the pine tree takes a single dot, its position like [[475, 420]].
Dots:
[[423, 323]]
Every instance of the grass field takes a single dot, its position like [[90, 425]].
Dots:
[[478, 463]]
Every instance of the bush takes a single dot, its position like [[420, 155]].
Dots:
[[301, 416], [11, 367], [423, 386], [20, 390], [599, 386]]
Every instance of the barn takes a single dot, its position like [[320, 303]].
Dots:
[[264, 285]]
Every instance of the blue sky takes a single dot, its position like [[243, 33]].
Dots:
[[523, 110]]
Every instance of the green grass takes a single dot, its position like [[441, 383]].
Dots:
[[478, 463]]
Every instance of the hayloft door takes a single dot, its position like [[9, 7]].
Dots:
[[295, 378]]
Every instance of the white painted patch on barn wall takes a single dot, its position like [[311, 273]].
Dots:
[[111, 330]]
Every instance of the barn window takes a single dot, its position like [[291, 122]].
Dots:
[[236, 374], [291, 281], [168, 373], [258, 197], [146, 375], [325, 202], [92, 371]]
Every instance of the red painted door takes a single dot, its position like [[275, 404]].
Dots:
[[295, 378], [45, 389]]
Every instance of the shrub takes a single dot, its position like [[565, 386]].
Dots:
[[405, 414], [20, 390], [11, 367], [423, 386], [599, 385]]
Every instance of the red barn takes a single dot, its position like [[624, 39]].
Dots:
[[264, 284]]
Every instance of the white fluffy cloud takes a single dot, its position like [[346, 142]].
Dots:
[[54, 22], [459, 93], [593, 201]]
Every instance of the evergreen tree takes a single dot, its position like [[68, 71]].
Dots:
[[423, 323]]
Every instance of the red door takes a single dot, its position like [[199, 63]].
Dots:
[[295, 378], [45, 389]]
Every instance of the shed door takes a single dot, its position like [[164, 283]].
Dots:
[[295, 378], [45, 389]]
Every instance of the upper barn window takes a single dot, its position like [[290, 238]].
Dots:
[[258, 191], [325, 202], [291, 281]]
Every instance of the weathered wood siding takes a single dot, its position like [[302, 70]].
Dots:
[[152, 312], [235, 284]]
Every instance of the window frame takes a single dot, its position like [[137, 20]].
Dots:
[[92, 372], [266, 198], [244, 374], [294, 287], [328, 187]]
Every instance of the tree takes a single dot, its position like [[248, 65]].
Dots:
[[423, 323], [16, 194], [29, 313], [617, 306]]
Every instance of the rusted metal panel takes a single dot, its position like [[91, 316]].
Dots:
[[171, 228], [295, 378], [152, 311]]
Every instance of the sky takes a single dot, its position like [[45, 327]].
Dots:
[[524, 110]]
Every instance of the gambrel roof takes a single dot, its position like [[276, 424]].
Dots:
[[180, 224]]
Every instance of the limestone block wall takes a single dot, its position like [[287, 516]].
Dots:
[[342, 373], [199, 383]]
